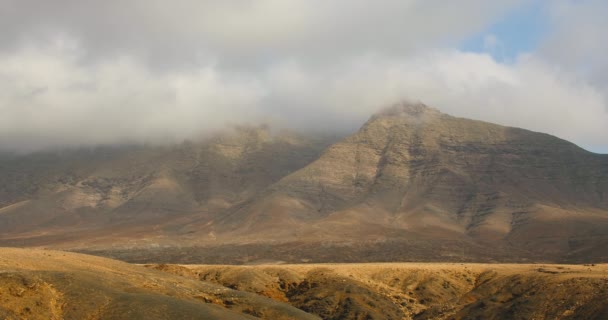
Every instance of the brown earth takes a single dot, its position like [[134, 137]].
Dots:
[[421, 290], [45, 284]]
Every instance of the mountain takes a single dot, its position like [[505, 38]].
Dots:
[[411, 184], [123, 193], [413, 174]]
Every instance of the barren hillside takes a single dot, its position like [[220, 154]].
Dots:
[[422, 290], [45, 284], [413, 184]]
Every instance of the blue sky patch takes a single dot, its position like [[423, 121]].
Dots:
[[518, 32]]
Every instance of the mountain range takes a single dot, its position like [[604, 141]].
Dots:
[[412, 184]]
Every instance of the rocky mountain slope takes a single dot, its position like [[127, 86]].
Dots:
[[412, 173], [141, 192], [411, 184]]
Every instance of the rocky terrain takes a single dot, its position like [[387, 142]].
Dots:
[[413, 184], [141, 195], [45, 284], [412, 173], [421, 290]]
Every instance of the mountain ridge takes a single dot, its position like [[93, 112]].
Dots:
[[412, 179]]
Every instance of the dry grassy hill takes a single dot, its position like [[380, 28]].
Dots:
[[45, 284], [421, 290]]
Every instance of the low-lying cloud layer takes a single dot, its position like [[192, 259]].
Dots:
[[79, 73]]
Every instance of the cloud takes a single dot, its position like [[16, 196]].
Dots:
[[77, 73], [529, 93], [47, 98], [578, 33], [577, 41], [243, 32]]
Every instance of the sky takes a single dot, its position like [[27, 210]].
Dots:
[[79, 72]]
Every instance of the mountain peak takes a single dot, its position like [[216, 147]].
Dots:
[[407, 109], [412, 183]]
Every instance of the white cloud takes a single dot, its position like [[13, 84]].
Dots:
[[529, 93], [577, 41], [107, 72], [48, 98], [244, 32]]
